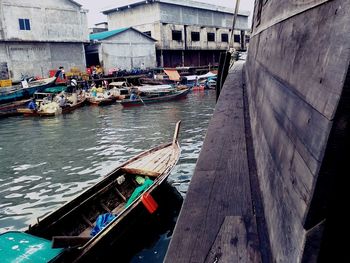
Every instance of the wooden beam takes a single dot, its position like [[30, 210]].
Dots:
[[140, 172], [68, 241], [236, 242]]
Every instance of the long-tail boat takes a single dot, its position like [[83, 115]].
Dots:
[[17, 92], [156, 98], [78, 231]]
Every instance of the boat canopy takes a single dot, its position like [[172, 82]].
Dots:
[[172, 74], [22, 247], [118, 84], [154, 88], [205, 76]]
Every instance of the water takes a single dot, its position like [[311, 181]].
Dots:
[[45, 162]]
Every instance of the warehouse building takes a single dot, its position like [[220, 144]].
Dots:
[[36, 36], [188, 33], [124, 48]]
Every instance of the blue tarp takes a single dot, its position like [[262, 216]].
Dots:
[[101, 222]]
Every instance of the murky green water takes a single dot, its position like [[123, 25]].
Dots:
[[45, 162]]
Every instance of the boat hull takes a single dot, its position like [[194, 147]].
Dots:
[[179, 95], [114, 193], [10, 109], [101, 102], [19, 93], [32, 113]]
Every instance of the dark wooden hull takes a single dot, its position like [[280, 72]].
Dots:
[[103, 102], [10, 109], [177, 96], [72, 108]]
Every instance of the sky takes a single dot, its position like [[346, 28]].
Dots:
[[96, 6]]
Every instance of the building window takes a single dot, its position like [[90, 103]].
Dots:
[[24, 24], [237, 38], [177, 35], [195, 36], [148, 33], [211, 36], [224, 37]]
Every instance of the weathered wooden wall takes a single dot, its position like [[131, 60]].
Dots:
[[296, 69]]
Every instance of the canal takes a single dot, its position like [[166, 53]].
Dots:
[[45, 162]]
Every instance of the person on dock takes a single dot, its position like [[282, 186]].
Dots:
[[60, 73], [72, 87], [32, 105]]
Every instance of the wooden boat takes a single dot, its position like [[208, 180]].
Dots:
[[125, 192], [176, 95], [68, 109], [119, 90], [98, 101], [14, 93], [10, 109], [50, 113], [198, 88]]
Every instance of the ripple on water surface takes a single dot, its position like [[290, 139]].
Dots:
[[44, 162]]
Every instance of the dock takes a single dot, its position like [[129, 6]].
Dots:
[[270, 181], [221, 218]]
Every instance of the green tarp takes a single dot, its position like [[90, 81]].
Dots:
[[139, 190], [22, 247]]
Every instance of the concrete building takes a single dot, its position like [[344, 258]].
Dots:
[[36, 36], [188, 33], [124, 48], [98, 28]]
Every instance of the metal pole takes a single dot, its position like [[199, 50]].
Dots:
[[234, 22]]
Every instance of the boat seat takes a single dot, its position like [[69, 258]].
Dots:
[[118, 209], [86, 232], [69, 241], [138, 171]]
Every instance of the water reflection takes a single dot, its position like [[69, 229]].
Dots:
[[45, 162]]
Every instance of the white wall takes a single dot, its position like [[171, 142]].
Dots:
[[54, 21], [136, 16], [38, 58], [128, 50], [161, 19]]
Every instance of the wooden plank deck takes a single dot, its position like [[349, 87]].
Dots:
[[217, 222]]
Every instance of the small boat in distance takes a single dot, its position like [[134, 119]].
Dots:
[[122, 196], [10, 109], [156, 98], [50, 108], [18, 92], [100, 101]]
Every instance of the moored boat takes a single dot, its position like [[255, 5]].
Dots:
[[198, 88], [10, 109], [144, 100], [124, 193], [99, 101], [52, 108], [17, 92]]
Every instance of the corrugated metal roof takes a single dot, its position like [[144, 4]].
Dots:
[[76, 3], [107, 34], [187, 3]]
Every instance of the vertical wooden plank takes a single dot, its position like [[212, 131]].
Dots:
[[236, 241]]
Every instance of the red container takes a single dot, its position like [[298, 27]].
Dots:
[[149, 202]]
